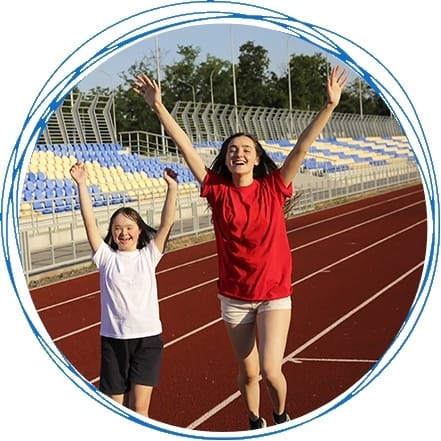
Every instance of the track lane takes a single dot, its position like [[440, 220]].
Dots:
[[191, 313]]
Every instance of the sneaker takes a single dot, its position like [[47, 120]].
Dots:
[[282, 418], [260, 423]]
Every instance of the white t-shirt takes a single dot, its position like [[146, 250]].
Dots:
[[129, 293]]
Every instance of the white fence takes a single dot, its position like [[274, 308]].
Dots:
[[57, 241]]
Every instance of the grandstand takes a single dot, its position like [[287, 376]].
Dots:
[[353, 155]]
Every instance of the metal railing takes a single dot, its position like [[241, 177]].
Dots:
[[84, 118], [201, 122], [57, 240]]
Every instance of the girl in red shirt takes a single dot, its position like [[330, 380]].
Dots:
[[247, 194]]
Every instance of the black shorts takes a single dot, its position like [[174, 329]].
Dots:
[[127, 362]]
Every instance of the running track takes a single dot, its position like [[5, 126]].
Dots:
[[356, 271]]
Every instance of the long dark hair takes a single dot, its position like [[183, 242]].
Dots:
[[147, 232], [265, 166]]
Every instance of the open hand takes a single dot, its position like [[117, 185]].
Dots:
[[335, 84], [148, 89]]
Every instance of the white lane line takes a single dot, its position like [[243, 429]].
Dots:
[[331, 360], [320, 270], [55, 305], [345, 230], [191, 288], [195, 331], [78, 331], [321, 221], [291, 356], [357, 210], [362, 250], [353, 227]]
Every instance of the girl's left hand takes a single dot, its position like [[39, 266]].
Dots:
[[336, 81], [170, 176]]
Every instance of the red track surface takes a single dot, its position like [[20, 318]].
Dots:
[[356, 272]]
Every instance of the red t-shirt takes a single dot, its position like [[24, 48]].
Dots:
[[253, 250]]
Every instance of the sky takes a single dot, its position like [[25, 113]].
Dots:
[[220, 40]]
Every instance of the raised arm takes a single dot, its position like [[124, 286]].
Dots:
[[168, 211], [79, 175], [150, 91], [335, 83]]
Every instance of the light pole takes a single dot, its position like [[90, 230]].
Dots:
[[212, 101], [192, 89], [360, 94], [158, 74], [234, 82], [289, 89], [211, 88]]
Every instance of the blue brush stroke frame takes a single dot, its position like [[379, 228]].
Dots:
[[53, 93]]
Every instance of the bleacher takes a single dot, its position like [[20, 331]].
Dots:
[[115, 176], [331, 155], [123, 171], [353, 155]]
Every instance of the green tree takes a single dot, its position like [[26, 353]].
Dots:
[[252, 75], [132, 113], [180, 83], [371, 102], [187, 78], [214, 78], [308, 80]]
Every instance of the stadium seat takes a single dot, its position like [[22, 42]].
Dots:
[[28, 195], [50, 193], [60, 205], [30, 176], [25, 209], [30, 185], [50, 183], [60, 192]]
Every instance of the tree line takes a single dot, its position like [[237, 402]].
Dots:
[[301, 87]]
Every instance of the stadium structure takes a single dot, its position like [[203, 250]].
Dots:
[[355, 154]]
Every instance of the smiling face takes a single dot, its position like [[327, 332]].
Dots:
[[125, 232], [241, 157]]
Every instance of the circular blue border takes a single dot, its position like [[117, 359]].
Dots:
[[51, 97]]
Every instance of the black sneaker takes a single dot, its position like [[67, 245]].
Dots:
[[260, 423], [282, 418]]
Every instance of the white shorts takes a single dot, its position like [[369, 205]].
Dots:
[[236, 311]]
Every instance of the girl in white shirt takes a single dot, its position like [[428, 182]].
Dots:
[[131, 344]]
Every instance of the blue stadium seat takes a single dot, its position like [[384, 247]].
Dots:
[[98, 200], [50, 193], [115, 198], [59, 192], [30, 185], [60, 205], [40, 204], [69, 191], [30, 176], [50, 183], [28, 195]]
